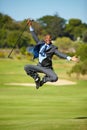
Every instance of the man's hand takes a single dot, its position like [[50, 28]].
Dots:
[[75, 59], [29, 22]]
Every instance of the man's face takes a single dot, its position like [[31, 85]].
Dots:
[[47, 39]]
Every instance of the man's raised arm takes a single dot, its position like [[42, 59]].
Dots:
[[29, 22]]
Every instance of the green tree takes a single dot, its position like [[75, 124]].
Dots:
[[82, 51], [53, 25], [75, 28], [85, 36], [64, 44], [5, 20], [81, 67], [3, 36], [13, 37], [10, 31]]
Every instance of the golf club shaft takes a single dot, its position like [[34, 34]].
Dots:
[[17, 41]]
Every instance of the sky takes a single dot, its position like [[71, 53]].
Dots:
[[34, 9]]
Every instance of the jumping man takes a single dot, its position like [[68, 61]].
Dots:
[[44, 50]]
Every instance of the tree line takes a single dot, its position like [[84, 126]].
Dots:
[[54, 25]]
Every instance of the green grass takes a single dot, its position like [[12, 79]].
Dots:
[[48, 108], [13, 70]]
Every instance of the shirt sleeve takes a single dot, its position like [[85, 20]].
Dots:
[[31, 28], [61, 55], [34, 34], [69, 58]]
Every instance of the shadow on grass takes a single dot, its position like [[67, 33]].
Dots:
[[84, 117]]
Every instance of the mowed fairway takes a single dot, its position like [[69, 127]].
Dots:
[[48, 108]]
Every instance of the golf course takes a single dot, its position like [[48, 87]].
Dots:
[[51, 107]]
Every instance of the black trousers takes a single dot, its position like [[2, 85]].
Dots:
[[50, 75]]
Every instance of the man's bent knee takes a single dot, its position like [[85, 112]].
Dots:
[[26, 68], [54, 79]]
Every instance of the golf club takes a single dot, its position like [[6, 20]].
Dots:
[[17, 41]]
